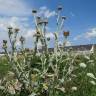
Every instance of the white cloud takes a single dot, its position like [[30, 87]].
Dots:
[[87, 35], [15, 22], [78, 37], [44, 11], [68, 43], [30, 33], [91, 33], [19, 22], [14, 8]]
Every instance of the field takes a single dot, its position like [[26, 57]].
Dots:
[[49, 74]]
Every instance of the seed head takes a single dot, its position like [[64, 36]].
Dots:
[[60, 8], [22, 39], [4, 41], [10, 31], [34, 11], [16, 30], [48, 39], [64, 17], [4, 44], [66, 33]]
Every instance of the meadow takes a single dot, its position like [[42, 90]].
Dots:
[[25, 72]]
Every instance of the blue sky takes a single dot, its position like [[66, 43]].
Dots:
[[81, 19]]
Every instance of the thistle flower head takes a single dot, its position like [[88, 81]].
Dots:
[[34, 11], [10, 28], [64, 17], [16, 30], [22, 39], [48, 38], [45, 21], [66, 33], [4, 44], [60, 8], [10, 31], [4, 41]]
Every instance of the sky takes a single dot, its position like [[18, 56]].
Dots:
[[80, 14]]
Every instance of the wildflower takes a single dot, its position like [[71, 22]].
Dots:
[[66, 33], [91, 75], [16, 30], [93, 82], [74, 88], [83, 65], [5, 41]]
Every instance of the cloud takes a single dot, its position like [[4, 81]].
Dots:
[[45, 12], [87, 35], [91, 33], [78, 37], [14, 8], [15, 22], [30, 33], [68, 43]]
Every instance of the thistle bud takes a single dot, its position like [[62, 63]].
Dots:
[[45, 21], [60, 8], [22, 39], [16, 30], [38, 20], [34, 11], [48, 39], [4, 41], [10, 31], [66, 33], [64, 17], [38, 17], [4, 44]]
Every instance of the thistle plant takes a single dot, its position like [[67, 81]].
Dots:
[[46, 74]]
